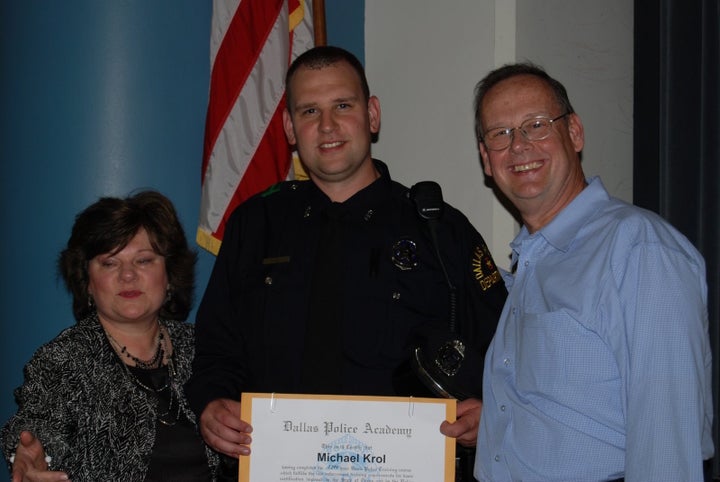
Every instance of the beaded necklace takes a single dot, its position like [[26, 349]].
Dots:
[[158, 361], [168, 407], [154, 362]]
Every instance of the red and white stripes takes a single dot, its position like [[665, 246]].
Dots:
[[245, 151]]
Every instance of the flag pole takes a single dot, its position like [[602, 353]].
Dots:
[[319, 22]]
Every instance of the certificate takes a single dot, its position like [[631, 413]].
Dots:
[[328, 438]]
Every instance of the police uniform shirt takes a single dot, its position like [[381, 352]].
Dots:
[[391, 291]]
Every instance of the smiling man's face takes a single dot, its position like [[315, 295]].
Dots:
[[539, 177]]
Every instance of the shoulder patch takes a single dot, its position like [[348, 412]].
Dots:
[[484, 269]]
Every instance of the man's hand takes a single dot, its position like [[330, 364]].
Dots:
[[465, 428], [29, 464], [222, 429]]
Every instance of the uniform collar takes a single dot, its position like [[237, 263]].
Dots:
[[370, 197]]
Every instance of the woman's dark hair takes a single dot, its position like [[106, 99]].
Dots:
[[108, 225], [513, 70]]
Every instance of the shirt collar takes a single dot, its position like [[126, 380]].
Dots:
[[562, 230]]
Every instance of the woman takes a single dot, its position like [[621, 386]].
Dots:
[[105, 397]]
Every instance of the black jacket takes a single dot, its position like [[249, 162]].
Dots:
[[251, 322], [91, 417]]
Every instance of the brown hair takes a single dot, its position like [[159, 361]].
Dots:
[[324, 56], [108, 225]]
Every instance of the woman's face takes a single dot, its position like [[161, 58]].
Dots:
[[128, 286]]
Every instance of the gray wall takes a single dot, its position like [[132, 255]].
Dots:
[[424, 57]]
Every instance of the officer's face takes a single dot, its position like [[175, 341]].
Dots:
[[331, 124], [539, 177]]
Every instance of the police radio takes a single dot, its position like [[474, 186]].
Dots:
[[443, 361]]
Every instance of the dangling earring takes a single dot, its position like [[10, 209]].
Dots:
[[91, 302], [168, 293]]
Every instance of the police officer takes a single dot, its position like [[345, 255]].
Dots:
[[334, 285]]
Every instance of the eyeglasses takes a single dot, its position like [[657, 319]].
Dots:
[[535, 129]]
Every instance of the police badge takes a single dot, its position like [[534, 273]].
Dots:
[[404, 254]]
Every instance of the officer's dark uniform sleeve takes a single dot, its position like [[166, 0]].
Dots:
[[219, 370]]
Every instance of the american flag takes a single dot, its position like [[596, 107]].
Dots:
[[251, 46]]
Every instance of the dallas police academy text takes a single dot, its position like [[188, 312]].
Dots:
[[334, 428]]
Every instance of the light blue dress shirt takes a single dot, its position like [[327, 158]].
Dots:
[[601, 366]]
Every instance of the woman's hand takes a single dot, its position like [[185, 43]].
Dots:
[[29, 464]]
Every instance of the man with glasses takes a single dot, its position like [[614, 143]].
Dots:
[[600, 368]]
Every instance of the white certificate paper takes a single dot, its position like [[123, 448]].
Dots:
[[327, 438]]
